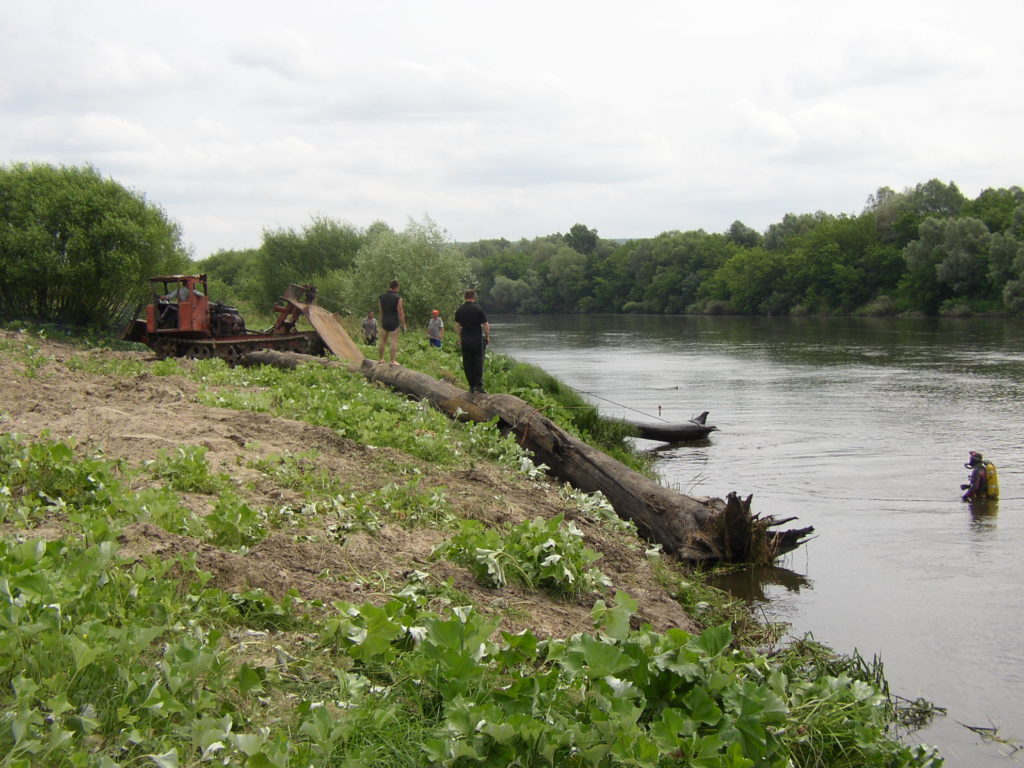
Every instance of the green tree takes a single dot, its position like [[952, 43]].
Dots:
[[509, 296], [937, 199], [742, 235], [581, 239], [749, 282], [1004, 254], [964, 263], [674, 264], [290, 256], [432, 271], [995, 207], [230, 266], [1017, 223], [566, 280], [1013, 296], [840, 265], [779, 236], [490, 259], [920, 285], [610, 278], [234, 278], [78, 248], [898, 216]]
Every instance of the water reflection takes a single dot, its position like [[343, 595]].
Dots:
[[748, 584], [673, 450], [987, 344], [983, 514]]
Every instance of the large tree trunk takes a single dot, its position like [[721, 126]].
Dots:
[[700, 530]]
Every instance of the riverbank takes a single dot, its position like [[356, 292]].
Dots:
[[242, 565]]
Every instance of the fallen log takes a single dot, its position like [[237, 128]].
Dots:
[[697, 530], [696, 428]]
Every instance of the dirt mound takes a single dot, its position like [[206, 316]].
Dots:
[[138, 417]]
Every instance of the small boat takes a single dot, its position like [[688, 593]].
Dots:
[[696, 428]]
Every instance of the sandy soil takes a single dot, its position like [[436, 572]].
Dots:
[[136, 418]]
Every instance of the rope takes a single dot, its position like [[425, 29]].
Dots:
[[525, 430], [620, 405]]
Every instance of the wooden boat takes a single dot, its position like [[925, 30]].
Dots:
[[696, 428]]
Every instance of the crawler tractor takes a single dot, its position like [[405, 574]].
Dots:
[[181, 321]]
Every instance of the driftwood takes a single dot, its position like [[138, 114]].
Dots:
[[696, 428], [699, 530]]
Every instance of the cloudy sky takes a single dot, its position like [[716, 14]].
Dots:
[[515, 119]]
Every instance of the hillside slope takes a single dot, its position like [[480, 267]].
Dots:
[[138, 416]]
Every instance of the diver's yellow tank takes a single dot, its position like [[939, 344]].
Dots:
[[993, 480]]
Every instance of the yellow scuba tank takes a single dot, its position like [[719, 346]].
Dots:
[[992, 488]]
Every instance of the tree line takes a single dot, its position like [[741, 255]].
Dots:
[[78, 248], [926, 249]]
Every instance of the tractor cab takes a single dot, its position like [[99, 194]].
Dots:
[[179, 304]]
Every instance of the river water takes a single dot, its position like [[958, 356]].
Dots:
[[860, 427]]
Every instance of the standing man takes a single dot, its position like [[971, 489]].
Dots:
[[370, 328], [474, 336], [435, 328], [392, 317]]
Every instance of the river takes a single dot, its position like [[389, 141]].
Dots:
[[860, 427]]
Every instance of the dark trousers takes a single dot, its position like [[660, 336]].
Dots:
[[473, 361]]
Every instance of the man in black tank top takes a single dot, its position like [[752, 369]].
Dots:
[[392, 317]]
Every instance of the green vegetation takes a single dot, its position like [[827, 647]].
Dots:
[[77, 248], [350, 267], [927, 249], [559, 402], [114, 660], [540, 554]]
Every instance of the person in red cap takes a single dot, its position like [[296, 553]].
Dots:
[[435, 328]]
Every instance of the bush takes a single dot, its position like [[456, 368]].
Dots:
[[883, 306], [432, 271], [77, 248], [955, 308]]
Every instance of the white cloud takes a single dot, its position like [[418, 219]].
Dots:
[[513, 120], [100, 133], [285, 53]]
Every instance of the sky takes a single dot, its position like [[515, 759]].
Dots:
[[515, 119]]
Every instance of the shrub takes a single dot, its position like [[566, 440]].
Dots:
[[76, 248]]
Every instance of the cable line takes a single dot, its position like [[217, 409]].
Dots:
[[620, 405]]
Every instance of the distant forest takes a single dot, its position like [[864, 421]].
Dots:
[[928, 249]]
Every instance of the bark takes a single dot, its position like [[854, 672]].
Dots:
[[694, 529]]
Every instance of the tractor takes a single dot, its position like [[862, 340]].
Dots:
[[181, 321]]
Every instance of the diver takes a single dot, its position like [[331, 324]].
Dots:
[[983, 482]]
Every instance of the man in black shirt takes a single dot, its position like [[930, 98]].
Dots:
[[474, 336], [392, 317]]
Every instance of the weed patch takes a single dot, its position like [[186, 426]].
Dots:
[[547, 555]]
